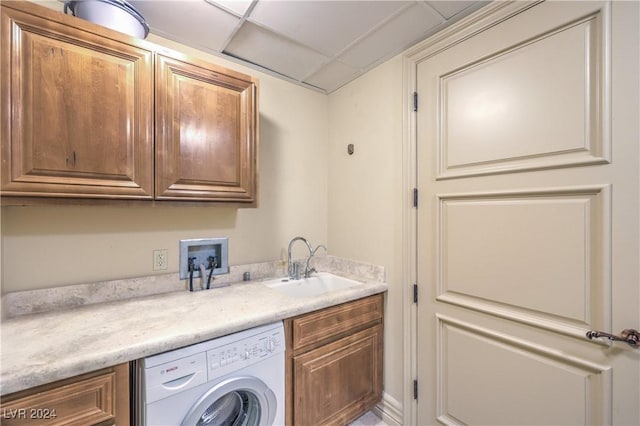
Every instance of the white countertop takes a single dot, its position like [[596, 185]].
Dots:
[[45, 347]]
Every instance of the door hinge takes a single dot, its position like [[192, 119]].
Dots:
[[415, 101], [415, 389], [415, 293], [415, 197]]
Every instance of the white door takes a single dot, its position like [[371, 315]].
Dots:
[[528, 218]]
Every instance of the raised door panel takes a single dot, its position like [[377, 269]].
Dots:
[[206, 133], [556, 235], [76, 112], [489, 118], [568, 387], [516, 266], [339, 381]]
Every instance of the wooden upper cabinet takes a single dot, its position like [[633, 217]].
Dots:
[[206, 132], [77, 116], [76, 109]]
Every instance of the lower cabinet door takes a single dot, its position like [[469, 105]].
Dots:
[[335, 383], [99, 398]]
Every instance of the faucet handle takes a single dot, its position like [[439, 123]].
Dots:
[[295, 273], [313, 252], [308, 272]]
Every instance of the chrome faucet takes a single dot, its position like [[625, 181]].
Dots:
[[308, 271], [293, 269]]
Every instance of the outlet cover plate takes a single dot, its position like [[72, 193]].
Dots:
[[160, 260]]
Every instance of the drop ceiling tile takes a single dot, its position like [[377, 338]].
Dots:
[[239, 7], [332, 76], [450, 8], [413, 25], [298, 39], [326, 26], [189, 22], [260, 46]]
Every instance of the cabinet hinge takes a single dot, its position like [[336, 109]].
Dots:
[[415, 197], [415, 101], [415, 293], [415, 389]]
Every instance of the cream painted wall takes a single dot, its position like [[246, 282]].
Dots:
[[365, 191], [308, 186], [55, 246]]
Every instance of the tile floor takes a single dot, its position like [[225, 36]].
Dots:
[[368, 419]]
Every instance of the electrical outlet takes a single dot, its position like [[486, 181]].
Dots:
[[160, 260]]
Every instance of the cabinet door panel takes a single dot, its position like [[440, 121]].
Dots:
[[336, 382], [76, 112], [205, 133], [97, 398], [208, 147]]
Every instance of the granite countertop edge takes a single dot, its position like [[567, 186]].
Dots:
[[46, 347]]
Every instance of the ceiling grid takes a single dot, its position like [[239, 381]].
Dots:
[[320, 44]]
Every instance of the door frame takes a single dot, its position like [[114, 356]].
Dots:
[[481, 20]]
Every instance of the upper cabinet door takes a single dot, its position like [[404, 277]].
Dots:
[[206, 133], [76, 110]]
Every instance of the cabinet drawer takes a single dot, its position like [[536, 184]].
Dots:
[[99, 398], [331, 323]]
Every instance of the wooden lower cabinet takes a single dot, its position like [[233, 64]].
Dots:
[[336, 376], [97, 398]]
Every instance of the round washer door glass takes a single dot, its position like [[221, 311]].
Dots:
[[238, 401]]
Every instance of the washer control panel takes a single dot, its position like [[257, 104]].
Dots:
[[232, 356]]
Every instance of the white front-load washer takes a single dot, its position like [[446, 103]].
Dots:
[[237, 379]]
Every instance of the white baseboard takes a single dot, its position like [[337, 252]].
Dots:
[[390, 410]]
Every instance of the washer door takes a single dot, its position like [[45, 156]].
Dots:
[[237, 401]]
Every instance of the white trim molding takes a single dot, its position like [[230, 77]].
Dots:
[[389, 410]]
